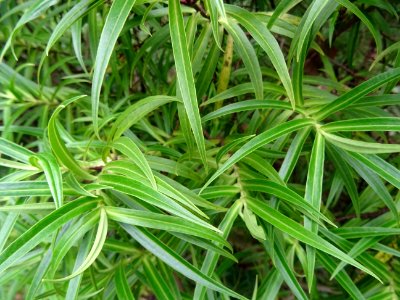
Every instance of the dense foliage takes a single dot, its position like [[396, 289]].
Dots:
[[199, 149]]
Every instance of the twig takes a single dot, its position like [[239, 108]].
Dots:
[[196, 6]]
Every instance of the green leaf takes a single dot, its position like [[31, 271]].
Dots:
[[72, 16], [287, 273], [293, 154], [132, 151], [282, 192], [24, 188], [40, 272], [368, 124], [34, 11], [42, 229], [156, 282], [384, 53], [374, 182], [213, 12], [98, 243], [143, 192], [303, 31], [258, 141], [357, 93], [53, 175], [115, 21], [248, 55], [267, 42], [354, 9], [346, 176], [29, 208], [15, 151], [121, 284], [171, 258], [313, 195], [136, 112], [59, 149], [211, 259], [163, 222], [380, 167], [342, 277], [360, 146], [245, 106], [366, 231], [184, 74], [297, 231], [74, 283], [250, 220], [263, 167], [242, 89], [70, 237], [282, 7]]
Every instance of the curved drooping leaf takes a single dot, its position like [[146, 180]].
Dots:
[[57, 145], [53, 175], [259, 141], [41, 230], [171, 258], [297, 231], [115, 21]]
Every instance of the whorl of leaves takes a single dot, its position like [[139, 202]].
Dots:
[[199, 149]]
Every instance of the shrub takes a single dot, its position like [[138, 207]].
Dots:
[[199, 149]]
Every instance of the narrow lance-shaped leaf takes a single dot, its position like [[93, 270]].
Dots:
[[136, 112], [373, 180], [121, 284], [357, 93], [286, 194], [282, 265], [213, 12], [269, 44], [248, 54], [76, 32], [343, 278], [34, 11], [184, 74], [157, 282], [74, 284], [15, 151], [58, 146], [211, 259], [94, 251], [360, 146], [293, 154], [355, 10], [171, 258], [53, 175], [346, 176], [143, 192], [130, 149], [314, 10], [257, 142], [72, 16], [41, 230], [297, 231], [115, 21], [313, 196], [162, 222], [380, 167], [246, 106], [367, 124], [282, 7]]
